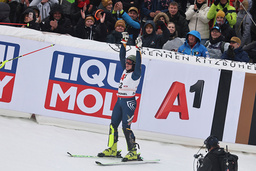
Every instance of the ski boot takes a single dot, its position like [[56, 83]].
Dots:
[[111, 152], [132, 155]]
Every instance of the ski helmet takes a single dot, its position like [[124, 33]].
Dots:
[[132, 58]]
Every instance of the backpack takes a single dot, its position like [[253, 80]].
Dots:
[[228, 162]]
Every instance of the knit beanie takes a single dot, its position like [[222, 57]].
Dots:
[[120, 23], [106, 2], [90, 18], [220, 14]]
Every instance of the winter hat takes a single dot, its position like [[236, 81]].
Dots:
[[133, 9], [220, 14], [106, 2], [120, 23], [216, 28], [89, 18], [235, 39]]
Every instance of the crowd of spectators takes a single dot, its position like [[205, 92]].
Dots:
[[222, 29]]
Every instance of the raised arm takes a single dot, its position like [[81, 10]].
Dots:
[[137, 69], [122, 53]]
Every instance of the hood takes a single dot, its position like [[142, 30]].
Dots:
[[4, 11], [161, 14], [35, 8], [246, 3], [55, 8], [194, 33], [27, 11], [149, 22]]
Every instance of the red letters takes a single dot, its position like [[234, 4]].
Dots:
[[177, 90]]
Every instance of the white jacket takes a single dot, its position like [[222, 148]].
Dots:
[[198, 20]]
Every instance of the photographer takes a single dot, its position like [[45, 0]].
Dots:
[[235, 52], [211, 161]]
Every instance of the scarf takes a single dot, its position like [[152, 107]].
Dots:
[[199, 5], [219, 39]]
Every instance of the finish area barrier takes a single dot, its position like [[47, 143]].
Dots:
[[77, 80]]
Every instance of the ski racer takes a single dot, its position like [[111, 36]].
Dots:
[[126, 103]]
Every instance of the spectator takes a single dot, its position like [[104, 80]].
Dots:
[[183, 5], [243, 24], [44, 6], [235, 51], [150, 38], [174, 41], [28, 17], [197, 16], [230, 11], [4, 12], [109, 19], [180, 21], [251, 50], [57, 22], [75, 11], [192, 45], [106, 5], [253, 27], [131, 20], [17, 7], [94, 6], [226, 30], [37, 12], [133, 29], [216, 46], [86, 28], [162, 17], [66, 7], [150, 8], [130, 3], [116, 35]]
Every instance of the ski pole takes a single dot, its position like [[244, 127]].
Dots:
[[247, 13], [3, 63], [17, 24]]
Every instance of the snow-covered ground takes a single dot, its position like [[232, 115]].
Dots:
[[27, 145]]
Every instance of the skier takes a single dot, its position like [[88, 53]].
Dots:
[[126, 103]]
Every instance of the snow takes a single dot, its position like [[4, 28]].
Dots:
[[27, 145]]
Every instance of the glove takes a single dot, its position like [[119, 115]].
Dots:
[[138, 43], [216, 2], [230, 52], [125, 37], [160, 23], [225, 10]]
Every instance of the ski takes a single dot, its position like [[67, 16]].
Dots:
[[127, 162], [90, 156], [81, 156]]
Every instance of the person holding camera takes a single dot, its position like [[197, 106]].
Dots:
[[211, 161], [230, 11], [217, 159], [235, 51]]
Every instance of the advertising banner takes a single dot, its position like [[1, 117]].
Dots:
[[178, 94]]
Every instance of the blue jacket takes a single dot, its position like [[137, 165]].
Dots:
[[197, 50], [240, 55]]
